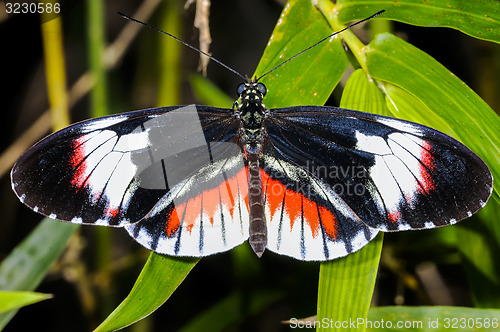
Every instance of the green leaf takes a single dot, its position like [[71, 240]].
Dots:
[[29, 262], [346, 285], [170, 50], [16, 300], [432, 319], [478, 18], [311, 77], [404, 105], [362, 94], [159, 278], [473, 122]]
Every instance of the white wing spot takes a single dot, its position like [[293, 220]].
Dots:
[[101, 222], [372, 144], [400, 125], [429, 224], [133, 142], [103, 123], [404, 227]]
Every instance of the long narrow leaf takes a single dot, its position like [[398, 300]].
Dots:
[[478, 18], [158, 280], [346, 287], [15, 300]]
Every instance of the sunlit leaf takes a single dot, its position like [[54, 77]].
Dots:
[[478, 18], [310, 78]]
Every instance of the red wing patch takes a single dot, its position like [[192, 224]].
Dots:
[[428, 165], [78, 163]]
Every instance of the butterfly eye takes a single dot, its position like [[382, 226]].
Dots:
[[240, 89], [262, 88]]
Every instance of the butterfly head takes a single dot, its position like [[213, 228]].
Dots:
[[251, 92]]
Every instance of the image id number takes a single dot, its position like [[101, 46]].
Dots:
[[32, 8]]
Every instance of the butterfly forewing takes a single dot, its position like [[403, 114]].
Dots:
[[113, 170]]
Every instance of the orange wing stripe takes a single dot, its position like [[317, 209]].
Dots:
[[226, 194], [173, 220], [329, 222], [297, 205], [211, 203], [311, 217]]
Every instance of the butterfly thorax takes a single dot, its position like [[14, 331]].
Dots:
[[251, 112]]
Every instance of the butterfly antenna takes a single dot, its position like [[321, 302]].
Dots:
[[184, 43], [319, 42]]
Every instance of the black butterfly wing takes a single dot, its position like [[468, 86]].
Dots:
[[349, 173], [114, 170]]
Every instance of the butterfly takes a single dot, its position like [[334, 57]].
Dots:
[[310, 182]]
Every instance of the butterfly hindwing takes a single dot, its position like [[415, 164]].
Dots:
[[204, 214], [305, 218]]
